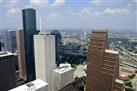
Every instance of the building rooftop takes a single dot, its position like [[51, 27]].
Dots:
[[2, 54], [119, 81], [111, 51], [64, 64], [99, 30], [63, 69], [35, 85]]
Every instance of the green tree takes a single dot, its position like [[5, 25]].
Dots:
[[131, 76], [129, 89], [74, 65], [136, 71], [128, 83]]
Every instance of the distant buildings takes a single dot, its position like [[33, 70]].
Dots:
[[126, 72], [36, 85], [29, 27], [45, 58], [103, 65], [10, 41], [21, 53], [7, 71]]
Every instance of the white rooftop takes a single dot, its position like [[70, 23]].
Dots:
[[111, 51], [119, 81], [37, 84], [64, 64], [2, 54], [63, 68]]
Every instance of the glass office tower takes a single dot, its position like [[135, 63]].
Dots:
[[29, 27], [58, 40]]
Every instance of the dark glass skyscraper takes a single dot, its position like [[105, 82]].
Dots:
[[58, 41], [29, 27]]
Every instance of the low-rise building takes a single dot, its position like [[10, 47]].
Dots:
[[36, 85], [63, 76]]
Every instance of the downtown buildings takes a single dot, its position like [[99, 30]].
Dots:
[[57, 77], [102, 73], [103, 65]]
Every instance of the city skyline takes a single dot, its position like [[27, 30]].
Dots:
[[68, 45], [64, 14]]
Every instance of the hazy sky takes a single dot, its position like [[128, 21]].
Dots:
[[71, 14]]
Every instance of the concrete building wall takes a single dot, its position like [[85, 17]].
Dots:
[[45, 63], [21, 53], [63, 77], [57, 84]]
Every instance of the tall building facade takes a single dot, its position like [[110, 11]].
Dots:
[[21, 53], [10, 41], [102, 68], [7, 71], [58, 45], [29, 27], [45, 58]]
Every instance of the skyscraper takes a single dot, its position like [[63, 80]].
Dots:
[[29, 27], [10, 41], [7, 71], [58, 44], [102, 68], [21, 53], [45, 58]]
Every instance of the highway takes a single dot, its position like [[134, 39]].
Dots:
[[126, 59]]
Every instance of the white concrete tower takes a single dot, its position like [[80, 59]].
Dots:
[[45, 58]]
